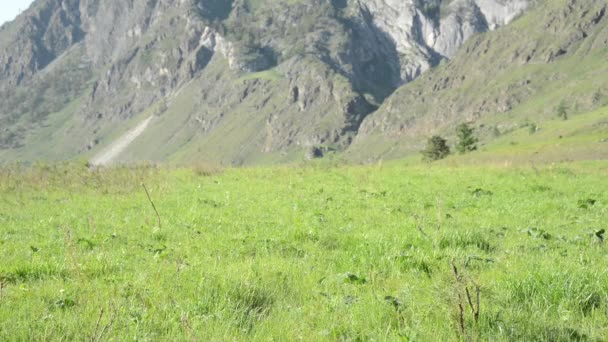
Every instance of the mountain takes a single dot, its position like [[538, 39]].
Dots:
[[513, 78], [234, 82]]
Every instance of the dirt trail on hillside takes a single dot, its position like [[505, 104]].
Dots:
[[110, 153]]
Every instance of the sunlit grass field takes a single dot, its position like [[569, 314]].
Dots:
[[316, 252]]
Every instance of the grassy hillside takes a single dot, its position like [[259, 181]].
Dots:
[[316, 252], [581, 137]]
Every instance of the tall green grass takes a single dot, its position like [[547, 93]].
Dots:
[[316, 252]]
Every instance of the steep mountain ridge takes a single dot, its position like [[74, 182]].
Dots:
[[232, 81]]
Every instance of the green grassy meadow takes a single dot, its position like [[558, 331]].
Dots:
[[315, 252]]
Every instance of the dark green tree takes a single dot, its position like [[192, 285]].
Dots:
[[467, 141], [436, 148]]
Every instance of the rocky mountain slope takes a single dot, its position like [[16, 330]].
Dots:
[[238, 81], [517, 76]]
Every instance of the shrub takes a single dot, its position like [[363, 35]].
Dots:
[[204, 169], [562, 111], [436, 148]]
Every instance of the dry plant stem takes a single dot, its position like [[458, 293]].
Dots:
[[461, 315], [478, 310], [107, 326], [462, 290], [461, 311], [475, 309], [153, 206], [94, 337], [460, 306], [419, 226]]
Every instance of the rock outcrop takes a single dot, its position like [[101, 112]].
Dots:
[[424, 32]]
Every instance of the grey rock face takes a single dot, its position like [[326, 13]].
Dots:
[[410, 35], [237, 59], [424, 32], [337, 59]]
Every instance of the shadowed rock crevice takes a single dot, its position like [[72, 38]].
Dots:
[[375, 59], [214, 9]]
